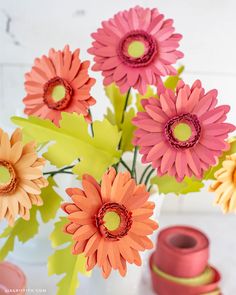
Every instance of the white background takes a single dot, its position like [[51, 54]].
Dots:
[[30, 28]]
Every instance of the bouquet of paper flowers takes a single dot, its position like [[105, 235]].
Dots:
[[179, 129]]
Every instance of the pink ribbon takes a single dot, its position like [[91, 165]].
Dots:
[[182, 251]]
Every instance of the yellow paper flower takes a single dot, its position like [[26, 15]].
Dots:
[[21, 177], [225, 185]]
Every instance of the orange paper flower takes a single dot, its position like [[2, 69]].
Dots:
[[110, 222], [58, 83], [21, 177], [225, 185]]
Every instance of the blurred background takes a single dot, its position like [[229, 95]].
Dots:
[[30, 28]]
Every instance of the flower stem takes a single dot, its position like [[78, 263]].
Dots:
[[133, 171], [149, 176], [60, 171], [125, 105], [144, 173], [150, 187], [125, 165], [91, 124]]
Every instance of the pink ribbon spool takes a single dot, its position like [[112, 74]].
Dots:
[[182, 251], [163, 286], [11, 278]]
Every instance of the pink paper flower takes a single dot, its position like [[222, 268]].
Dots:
[[135, 48], [182, 133]]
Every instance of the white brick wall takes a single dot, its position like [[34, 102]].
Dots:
[[29, 28]]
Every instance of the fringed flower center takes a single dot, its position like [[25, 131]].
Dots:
[[8, 180], [137, 48], [114, 221], [57, 93], [183, 132]]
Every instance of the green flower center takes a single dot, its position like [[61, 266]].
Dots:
[[182, 132], [112, 220], [136, 49], [5, 176], [58, 93]]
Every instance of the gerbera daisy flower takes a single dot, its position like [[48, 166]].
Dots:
[[135, 48], [21, 177], [225, 185], [110, 222], [182, 133], [58, 83]]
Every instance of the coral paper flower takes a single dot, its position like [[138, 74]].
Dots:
[[21, 177], [58, 83], [182, 133], [135, 48], [110, 222], [225, 185]]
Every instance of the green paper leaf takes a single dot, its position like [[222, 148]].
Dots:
[[51, 201], [171, 81], [114, 115], [72, 141], [23, 230], [62, 261], [58, 237], [167, 184], [117, 100], [210, 173], [127, 131]]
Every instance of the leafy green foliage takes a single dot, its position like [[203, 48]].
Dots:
[[23, 230], [114, 115], [167, 184], [127, 131], [171, 82], [72, 140], [51, 201], [63, 262], [26, 230]]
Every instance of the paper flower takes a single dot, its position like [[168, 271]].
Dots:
[[135, 48], [110, 222], [183, 133], [21, 177], [225, 185], [58, 83]]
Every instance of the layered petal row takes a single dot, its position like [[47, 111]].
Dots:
[[110, 221], [184, 132]]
